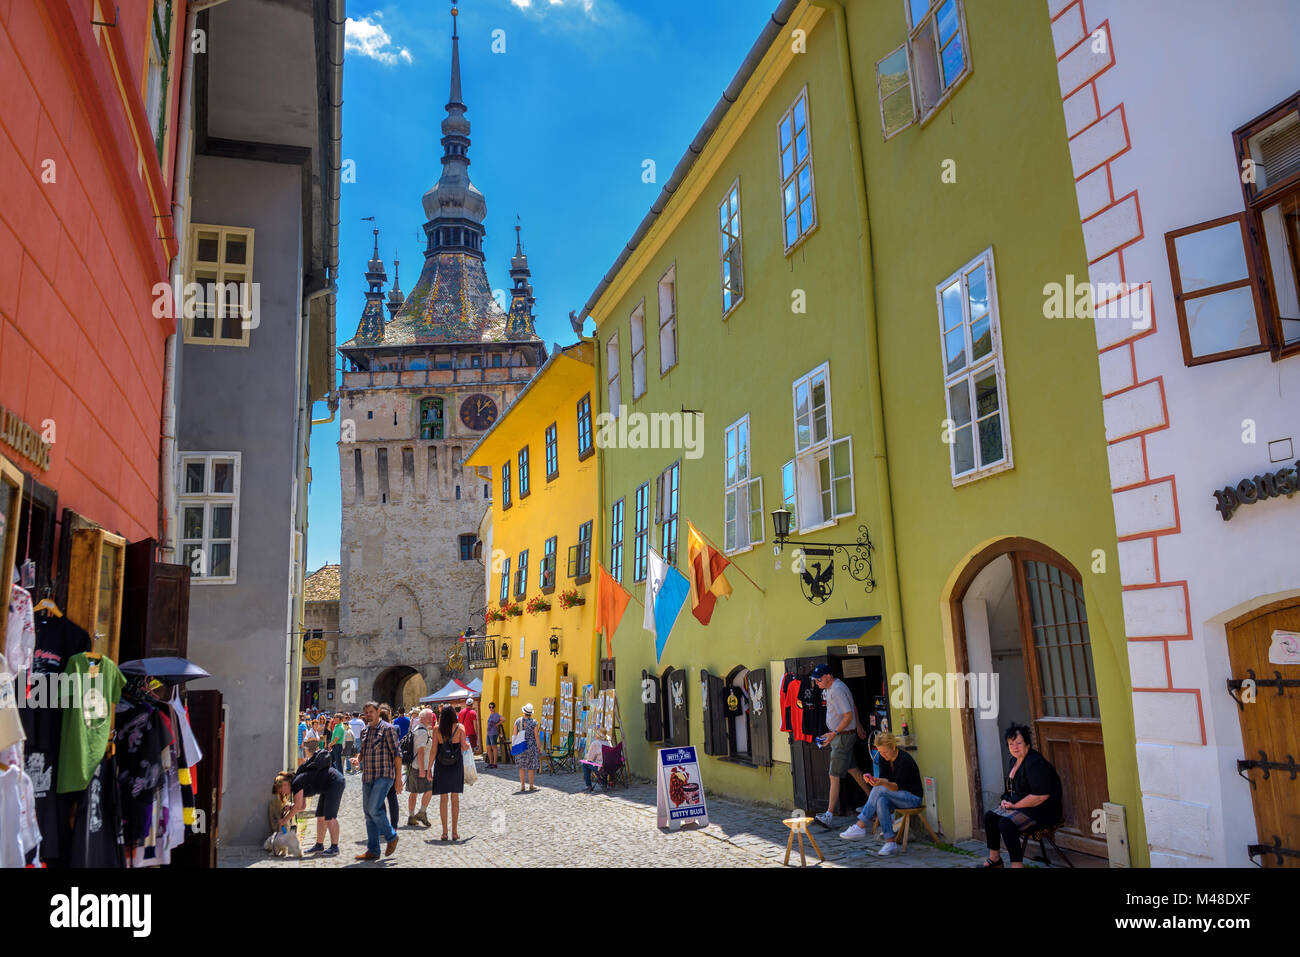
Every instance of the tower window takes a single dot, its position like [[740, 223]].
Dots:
[[399, 622], [431, 418]]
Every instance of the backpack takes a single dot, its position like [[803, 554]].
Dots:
[[407, 746]]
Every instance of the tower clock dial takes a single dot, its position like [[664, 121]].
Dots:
[[478, 412]]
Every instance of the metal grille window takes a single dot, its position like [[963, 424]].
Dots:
[[505, 485], [641, 532], [667, 504], [1062, 644], [546, 571], [552, 453], [733, 283], [505, 579], [974, 382], [616, 541], [209, 515], [586, 445], [798, 207], [524, 487]]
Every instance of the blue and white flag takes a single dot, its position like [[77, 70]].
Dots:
[[666, 591]]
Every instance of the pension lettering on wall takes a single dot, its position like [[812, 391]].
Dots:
[[1251, 490]]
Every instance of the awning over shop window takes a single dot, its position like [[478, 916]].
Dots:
[[845, 630]]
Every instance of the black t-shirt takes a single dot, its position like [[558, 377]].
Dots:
[[813, 708], [97, 836], [1037, 776], [733, 702], [57, 640], [315, 775], [903, 772], [141, 738]]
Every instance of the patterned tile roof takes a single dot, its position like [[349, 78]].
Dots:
[[322, 584]]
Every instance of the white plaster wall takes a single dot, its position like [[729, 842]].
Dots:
[[1188, 74]]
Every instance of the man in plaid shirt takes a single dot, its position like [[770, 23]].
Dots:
[[381, 769]]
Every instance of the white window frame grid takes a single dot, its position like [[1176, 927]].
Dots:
[[638, 353], [504, 587], [729, 238], [668, 322], [815, 488], [664, 496], [641, 534], [911, 92], [972, 369], [208, 500], [617, 530], [613, 375], [521, 576], [546, 564], [804, 230], [922, 113], [221, 268], [740, 490]]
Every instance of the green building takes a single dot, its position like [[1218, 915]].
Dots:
[[837, 307]]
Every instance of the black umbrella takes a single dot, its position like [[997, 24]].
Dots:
[[171, 669]]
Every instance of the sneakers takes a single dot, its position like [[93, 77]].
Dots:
[[316, 848], [825, 819], [891, 847], [330, 851], [855, 833]]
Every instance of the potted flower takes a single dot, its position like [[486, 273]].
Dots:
[[511, 609], [538, 604], [496, 614], [571, 598]]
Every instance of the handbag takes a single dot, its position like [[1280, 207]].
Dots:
[[518, 743], [471, 772]]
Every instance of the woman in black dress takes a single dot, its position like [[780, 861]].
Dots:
[[1032, 799], [448, 767]]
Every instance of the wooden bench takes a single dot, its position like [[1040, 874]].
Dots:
[[907, 813]]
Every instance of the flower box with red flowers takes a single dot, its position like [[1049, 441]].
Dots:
[[538, 604], [571, 598]]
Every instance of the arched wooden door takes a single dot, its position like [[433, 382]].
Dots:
[[1063, 691], [1263, 643]]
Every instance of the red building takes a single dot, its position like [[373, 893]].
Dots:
[[88, 144]]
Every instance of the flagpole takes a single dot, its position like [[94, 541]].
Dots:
[[730, 564]]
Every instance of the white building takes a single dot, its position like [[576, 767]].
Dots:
[[1185, 139]]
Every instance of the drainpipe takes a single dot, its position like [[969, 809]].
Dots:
[[596, 653], [180, 227], [896, 643]]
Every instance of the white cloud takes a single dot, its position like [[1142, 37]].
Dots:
[[537, 8], [368, 38]]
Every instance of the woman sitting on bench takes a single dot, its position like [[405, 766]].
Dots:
[[1031, 801]]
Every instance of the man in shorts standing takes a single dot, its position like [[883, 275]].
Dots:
[[469, 718], [841, 719]]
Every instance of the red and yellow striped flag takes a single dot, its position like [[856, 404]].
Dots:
[[706, 565]]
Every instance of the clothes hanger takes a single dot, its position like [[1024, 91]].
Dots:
[[47, 605]]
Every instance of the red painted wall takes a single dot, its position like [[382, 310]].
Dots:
[[79, 258]]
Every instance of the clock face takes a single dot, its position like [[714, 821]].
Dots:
[[478, 412]]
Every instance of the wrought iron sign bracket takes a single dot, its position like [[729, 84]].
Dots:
[[818, 580]]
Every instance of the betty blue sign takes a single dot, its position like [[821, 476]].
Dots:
[[679, 791]]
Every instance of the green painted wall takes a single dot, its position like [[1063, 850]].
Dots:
[[1014, 192]]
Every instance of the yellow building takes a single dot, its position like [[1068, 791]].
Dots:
[[540, 536]]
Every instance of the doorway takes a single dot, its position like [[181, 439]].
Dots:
[[1019, 614], [1263, 643], [400, 686], [310, 694]]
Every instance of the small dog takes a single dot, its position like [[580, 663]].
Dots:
[[284, 843]]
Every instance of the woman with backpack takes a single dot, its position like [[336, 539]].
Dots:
[[449, 767]]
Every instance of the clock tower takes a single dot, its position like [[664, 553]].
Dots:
[[418, 391]]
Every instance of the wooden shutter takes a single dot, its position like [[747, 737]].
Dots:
[[155, 605], [760, 717], [650, 695], [715, 727], [675, 691]]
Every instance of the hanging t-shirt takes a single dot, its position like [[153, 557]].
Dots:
[[20, 631], [733, 702], [11, 845], [97, 835], [11, 725], [140, 743], [98, 685], [811, 708], [57, 640]]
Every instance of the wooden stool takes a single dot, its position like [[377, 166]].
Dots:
[[799, 825], [907, 813]]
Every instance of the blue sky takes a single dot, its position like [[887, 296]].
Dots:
[[562, 121]]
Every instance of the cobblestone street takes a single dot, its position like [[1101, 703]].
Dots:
[[561, 826]]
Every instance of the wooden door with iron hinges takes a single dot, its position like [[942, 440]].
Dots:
[[1270, 730]]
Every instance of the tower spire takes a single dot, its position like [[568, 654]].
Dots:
[[395, 295], [455, 59], [370, 328]]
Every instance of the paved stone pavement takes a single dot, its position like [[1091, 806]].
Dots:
[[561, 826]]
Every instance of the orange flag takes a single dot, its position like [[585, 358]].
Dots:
[[611, 602], [706, 565]]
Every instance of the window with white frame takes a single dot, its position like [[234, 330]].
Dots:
[[915, 80], [798, 208], [667, 508], [638, 351], [616, 541], [613, 380], [668, 320], [521, 575], [209, 515], [974, 382], [159, 72], [823, 464], [733, 273], [641, 532], [221, 267], [742, 496], [788, 494], [505, 580]]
